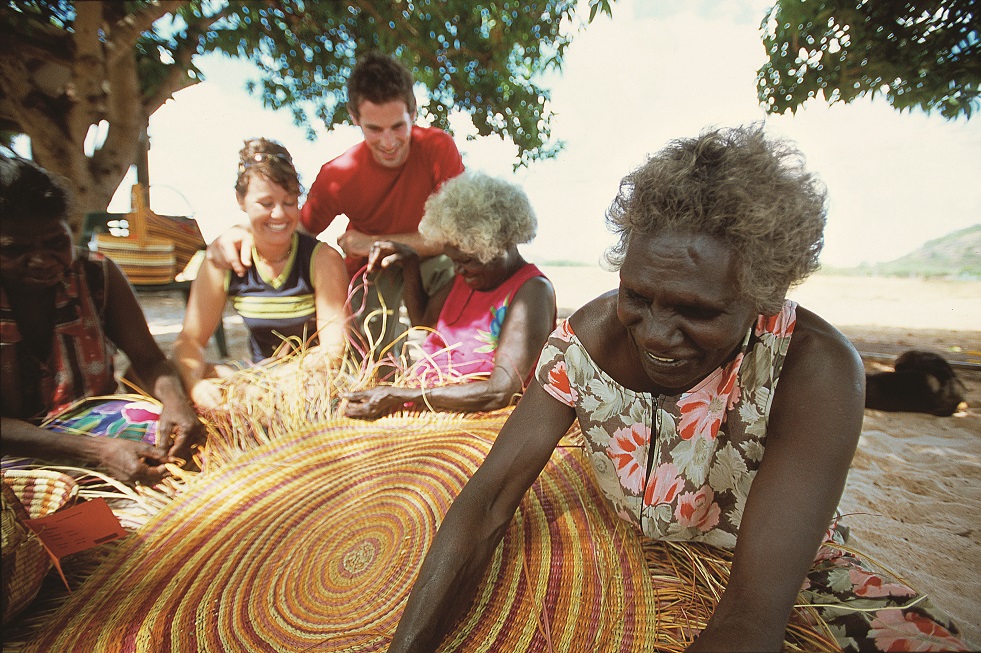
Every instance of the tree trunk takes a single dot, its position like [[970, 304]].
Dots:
[[90, 87]]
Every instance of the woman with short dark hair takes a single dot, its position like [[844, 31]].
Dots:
[[292, 298], [63, 311]]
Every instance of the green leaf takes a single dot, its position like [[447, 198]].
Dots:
[[924, 55]]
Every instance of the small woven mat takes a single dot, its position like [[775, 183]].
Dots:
[[312, 543]]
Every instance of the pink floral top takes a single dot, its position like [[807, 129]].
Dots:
[[464, 343], [689, 482]]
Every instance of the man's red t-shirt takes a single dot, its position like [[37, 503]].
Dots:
[[379, 200]]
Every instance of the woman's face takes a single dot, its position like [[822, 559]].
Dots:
[[273, 210], [35, 254], [681, 305], [477, 275]]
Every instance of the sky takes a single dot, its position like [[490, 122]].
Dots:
[[658, 70]]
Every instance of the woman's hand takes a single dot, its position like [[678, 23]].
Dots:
[[125, 460], [373, 403], [205, 394], [355, 243], [179, 423], [131, 461]]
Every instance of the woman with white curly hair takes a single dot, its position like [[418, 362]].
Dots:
[[490, 323]]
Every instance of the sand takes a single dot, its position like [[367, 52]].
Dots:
[[914, 490]]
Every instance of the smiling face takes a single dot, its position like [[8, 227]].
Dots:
[[35, 254], [273, 211], [681, 306], [477, 275], [387, 130]]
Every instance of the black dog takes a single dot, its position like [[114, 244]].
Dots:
[[922, 383]]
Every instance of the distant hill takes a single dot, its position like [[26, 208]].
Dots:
[[954, 256]]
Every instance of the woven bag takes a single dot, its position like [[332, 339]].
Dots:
[[184, 232], [144, 259], [28, 494]]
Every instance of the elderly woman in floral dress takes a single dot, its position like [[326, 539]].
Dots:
[[714, 409]]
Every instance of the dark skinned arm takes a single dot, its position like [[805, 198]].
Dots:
[[478, 519], [814, 426], [528, 322], [422, 309], [126, 326], [125, 460]]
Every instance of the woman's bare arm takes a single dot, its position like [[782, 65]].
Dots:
[[330, 296], [126, 326], [478, 519], [814, 426], [204, 311], [530, 318]]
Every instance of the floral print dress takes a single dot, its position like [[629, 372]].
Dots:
[[680, 468]]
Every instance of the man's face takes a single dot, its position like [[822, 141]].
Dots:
[[387, 130]]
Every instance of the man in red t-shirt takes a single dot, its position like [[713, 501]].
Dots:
[[381, 185]]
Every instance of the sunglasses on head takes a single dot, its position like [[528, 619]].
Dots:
[[261, 157]]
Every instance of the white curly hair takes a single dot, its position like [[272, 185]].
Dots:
[[480, 215]]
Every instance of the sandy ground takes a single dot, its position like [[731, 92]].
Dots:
[[914, 491]]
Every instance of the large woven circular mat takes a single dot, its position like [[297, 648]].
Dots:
[[312, 543]]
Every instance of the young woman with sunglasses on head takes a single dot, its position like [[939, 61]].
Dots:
[[296, 290]]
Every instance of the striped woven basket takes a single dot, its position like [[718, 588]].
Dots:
[[144, 259], [147, 261], [28, 494], [183, 232], [312, 541]]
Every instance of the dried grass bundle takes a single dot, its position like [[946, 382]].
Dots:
[[689, 579]]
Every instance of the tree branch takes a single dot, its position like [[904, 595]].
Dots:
[[110, 162], [177, 78], [126, 32], [86, 91], [23, 103]]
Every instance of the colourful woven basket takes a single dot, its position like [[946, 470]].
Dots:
[[144, 259], [311, 542], [28, 494]]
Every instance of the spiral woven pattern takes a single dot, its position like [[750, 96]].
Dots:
[[313, 542]]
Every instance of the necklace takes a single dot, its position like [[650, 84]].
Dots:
[[273, 261]]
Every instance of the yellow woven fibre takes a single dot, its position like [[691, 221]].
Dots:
[[312, 542]]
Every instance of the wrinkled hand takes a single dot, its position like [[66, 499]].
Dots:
[[384, 253], [355, 243], [131, 461], [373, 403], [232, 250], [179, 422]]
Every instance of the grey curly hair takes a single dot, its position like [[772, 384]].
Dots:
[[480, 215], [748, 190]]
